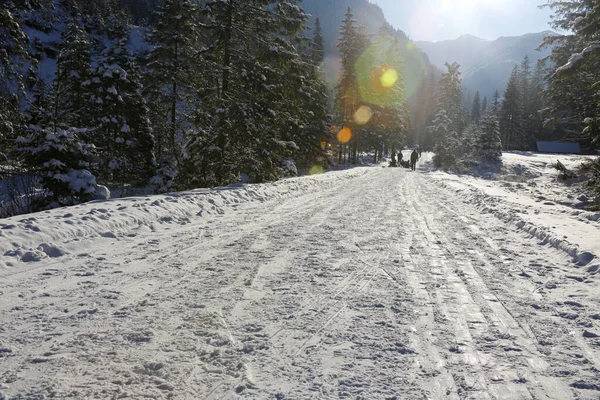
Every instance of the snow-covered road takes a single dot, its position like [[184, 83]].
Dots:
[[381, 285]]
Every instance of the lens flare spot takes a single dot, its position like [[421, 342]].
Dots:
[[363, 115], [389, 78], [323, 144], [333, 129], [344, 135], [316, 169]]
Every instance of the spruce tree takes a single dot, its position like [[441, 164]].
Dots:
[[61, 159], [12, 58], [450, 119], [71, 82], [441, 130], [496, 102], [450, 98], [476, 108], [172, 75], [538, 85], [511, 114], [573, 93], [484, 106], [489, 146], [382, 88], [351, 44], [122, 128], [527, 104], [318, 45], [257, 75]]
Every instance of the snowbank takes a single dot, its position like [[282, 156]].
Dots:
[[527, 193], [33, 237]]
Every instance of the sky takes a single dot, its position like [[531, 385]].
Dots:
[[447, 19]]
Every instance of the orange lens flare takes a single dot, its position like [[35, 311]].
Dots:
[[344, 135]]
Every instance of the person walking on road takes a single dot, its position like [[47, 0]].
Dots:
[[414, 157]]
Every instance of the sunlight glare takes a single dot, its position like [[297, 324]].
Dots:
[[344, 135], [389, 78], [316, 169], [363, 115]]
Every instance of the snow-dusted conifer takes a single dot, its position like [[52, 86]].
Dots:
[[72, 77], [450, 97], [12, 56], [352, 42], [484, 106], [476, 108], [511, 114], [489, 145], [172, 73], [445, 138], [318, 44], [253, 81], [122, 130], [61, 160], [450, 118]]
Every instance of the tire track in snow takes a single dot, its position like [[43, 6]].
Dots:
[[488, 306]]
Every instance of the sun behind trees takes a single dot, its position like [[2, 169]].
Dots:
[[370, 96]]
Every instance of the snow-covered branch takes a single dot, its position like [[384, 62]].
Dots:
[[577, 57]]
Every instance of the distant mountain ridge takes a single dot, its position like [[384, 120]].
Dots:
[[486, 64], [331, 14]]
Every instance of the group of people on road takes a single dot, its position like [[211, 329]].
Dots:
[[414, 157]]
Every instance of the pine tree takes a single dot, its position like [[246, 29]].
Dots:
[[351, 44], [573, 93], [451, 96], [527, 104], [72, 78], [450, 119], [12, 58], [511, 114], [469, 141], [61, 160], [257, 72], [318, 47], [573, 88], [172, 76], [496, 102], [489, 145], [484, 106], [476, 108], [538, 85], [445, 139], [381, 82], [122, 127]]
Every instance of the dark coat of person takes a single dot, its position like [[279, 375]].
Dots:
[[414, 156]]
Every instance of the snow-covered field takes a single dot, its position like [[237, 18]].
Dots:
[[371, 283]]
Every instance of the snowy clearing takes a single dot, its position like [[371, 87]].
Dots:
[[372, 283]]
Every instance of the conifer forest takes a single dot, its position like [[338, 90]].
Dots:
[[155, 96]]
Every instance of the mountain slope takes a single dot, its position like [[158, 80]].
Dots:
[[486, 65], [331, 13]]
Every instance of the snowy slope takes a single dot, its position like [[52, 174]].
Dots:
[[370, 282]]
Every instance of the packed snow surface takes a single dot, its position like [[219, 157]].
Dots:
[[371, 283]]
